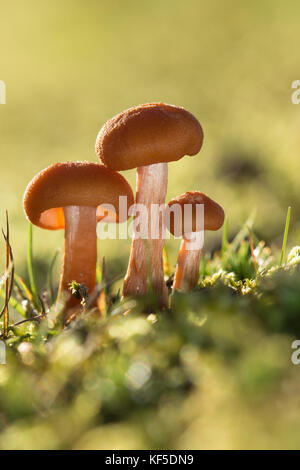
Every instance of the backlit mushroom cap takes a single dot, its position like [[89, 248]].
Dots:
[[73, 184], [213, 214], [147, 134]]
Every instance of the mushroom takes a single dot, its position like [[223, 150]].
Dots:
[[67, 196], [147, 137], [190, 226]]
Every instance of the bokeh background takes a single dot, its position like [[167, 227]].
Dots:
[[69, 66]]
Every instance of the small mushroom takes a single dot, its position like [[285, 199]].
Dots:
[[189, 227], [67, 196], [147, 137]]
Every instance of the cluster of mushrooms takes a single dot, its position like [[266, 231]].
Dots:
[[72, 196]]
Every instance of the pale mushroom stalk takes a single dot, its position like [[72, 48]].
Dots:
[[146, 259], [188, 262], [80, 251]]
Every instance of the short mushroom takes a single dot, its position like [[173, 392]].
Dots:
[[189, 226], [147, 137], [69, 196]]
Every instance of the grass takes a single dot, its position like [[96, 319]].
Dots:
[[225, 236], [170, 379], [286, 231], [30, 270], [50, 277]]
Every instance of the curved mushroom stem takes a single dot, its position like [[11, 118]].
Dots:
[[188, 261], [80, 252], [146, 259]]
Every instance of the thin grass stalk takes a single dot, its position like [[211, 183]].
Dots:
[[225, 236], [9, 278], [13, 303], [23, 288], [252, 249], [285, 236], [30, 269], [50, 277]]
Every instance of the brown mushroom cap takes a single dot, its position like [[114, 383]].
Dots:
[[73, 184], [213, 212], [147, 134]]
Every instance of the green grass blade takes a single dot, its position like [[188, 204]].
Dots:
[[30, 269], [286, 231], [50, 277], [243, 233], [225, 236], [23, 288], [98, 273], [14, 304]]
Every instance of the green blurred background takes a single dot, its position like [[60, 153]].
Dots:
[[228, 383], [69, 66]]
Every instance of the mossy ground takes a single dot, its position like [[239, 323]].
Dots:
[[214, 371]]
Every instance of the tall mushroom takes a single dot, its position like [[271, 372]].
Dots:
[[66, 196], [147, 137], [189, 226]]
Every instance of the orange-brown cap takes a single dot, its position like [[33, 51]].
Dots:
[[213, 213], [73, 184], [147, 134]]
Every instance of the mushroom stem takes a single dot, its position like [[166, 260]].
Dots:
[[80, 251], [187, 268], [146, 259]]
